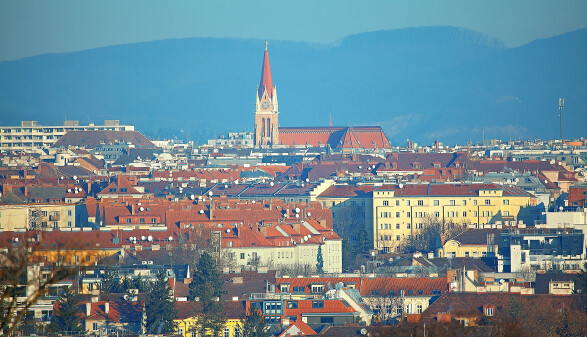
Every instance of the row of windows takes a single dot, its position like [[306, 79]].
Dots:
[[451, 202], [141, 220]]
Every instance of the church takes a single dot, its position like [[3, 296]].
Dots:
[[268, 133]]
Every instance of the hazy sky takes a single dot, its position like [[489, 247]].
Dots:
[[36, 27]]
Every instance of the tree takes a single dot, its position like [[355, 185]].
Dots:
[[206, 271], [207, 286], [254, 324], [160, 306], [67, 315], [23, 279], [320, 261]]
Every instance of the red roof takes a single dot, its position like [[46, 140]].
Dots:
[[365, 137], [266, 81]]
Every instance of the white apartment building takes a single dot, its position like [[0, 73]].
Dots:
[[31, 137]]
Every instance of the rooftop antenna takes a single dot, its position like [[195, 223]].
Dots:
[[561, 105]]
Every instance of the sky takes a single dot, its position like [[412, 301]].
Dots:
[[30, 27]]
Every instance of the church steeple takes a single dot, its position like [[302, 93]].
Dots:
[[266, 108], [266, 82]]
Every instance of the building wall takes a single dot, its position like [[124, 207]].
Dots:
[[31, 136], [290, 256], [183, 327], [43, 216], [455, 249], [339, 207], [396, 219]]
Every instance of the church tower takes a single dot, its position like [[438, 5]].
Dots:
[[266, 112]]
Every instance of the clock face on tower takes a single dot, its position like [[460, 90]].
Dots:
[[265, 105]]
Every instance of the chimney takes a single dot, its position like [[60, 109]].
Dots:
[[106, 308], [88, 309]]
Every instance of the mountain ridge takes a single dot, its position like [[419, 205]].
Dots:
[[423, 83]]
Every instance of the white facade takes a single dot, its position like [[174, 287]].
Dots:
[[30, 136], [305, 254]]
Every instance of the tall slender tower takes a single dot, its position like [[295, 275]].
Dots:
[[266, 108]]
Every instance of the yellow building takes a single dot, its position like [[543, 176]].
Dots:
[[400, 212], [187, 318], [472, 243], [352, 207], [41, 216]]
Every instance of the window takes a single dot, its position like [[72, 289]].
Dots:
[[317, 304], [317, 288], [226, 332], [436, 291], [396, 226], [420, 292], [397, 238], [436, 214], [506, 213], [475, 202], [410, 292], [506, 201], [397, 202], [487, 202], [464, 214], [464, 202], [69, 213], [284, 287], [153, 220], [420, 202], [142, 220], [242, 256], [419, 308], [292, 304], [475, 214], [298, 289], [237, 331], [397, 214], [452, 202], [408, 203], [385, 202], [488, 311], [409, 226], [436, 202], [127, 220], [94, 326]]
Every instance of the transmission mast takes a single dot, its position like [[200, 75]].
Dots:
[[561, 105]]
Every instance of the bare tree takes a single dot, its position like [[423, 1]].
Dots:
[[25, 277]]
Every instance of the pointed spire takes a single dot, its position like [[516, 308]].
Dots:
[[330, 124], [266, 81]]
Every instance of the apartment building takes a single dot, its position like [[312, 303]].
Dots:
[[401, 211], [30, 136]]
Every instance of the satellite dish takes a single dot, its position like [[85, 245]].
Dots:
[[74, 177], [69, 190], [297, 209], [149, 238], [171, 238], [143, 238], [141, 209], [252, 202], [401, 186], [192, 197], [210, 193], [297, 215], [201, 211], [225, 186], [271, 184], [227, 230], [309, 214]]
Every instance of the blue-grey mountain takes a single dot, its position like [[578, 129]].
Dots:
[[429, 83]]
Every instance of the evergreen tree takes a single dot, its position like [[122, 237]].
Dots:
[[208, 287], [67, 315], [320, 261], [160, 307], [254, 325], [206, 271]]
